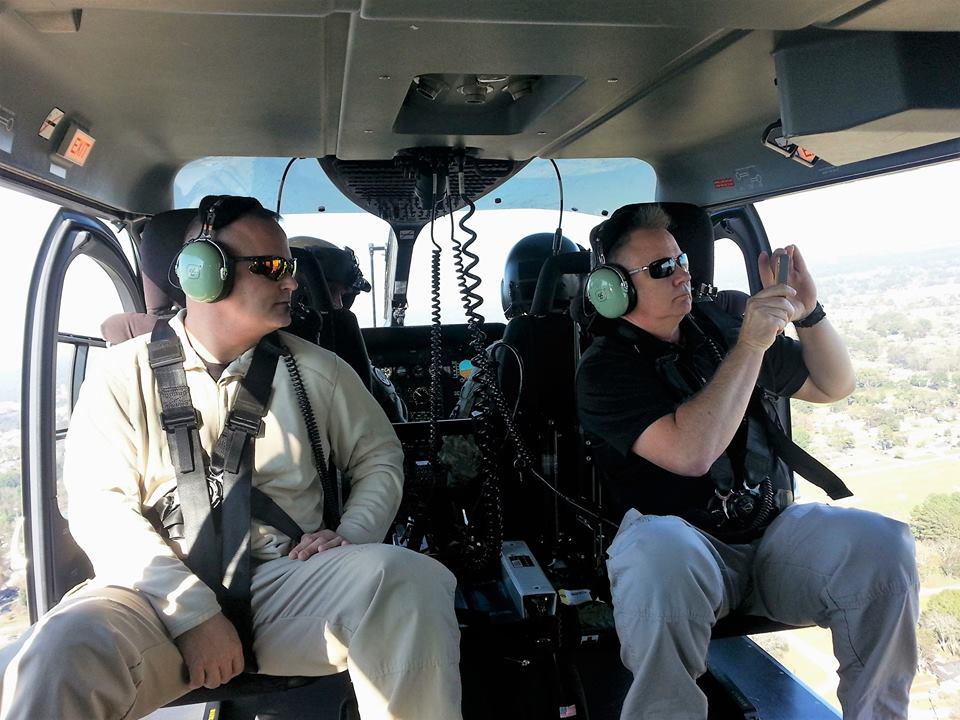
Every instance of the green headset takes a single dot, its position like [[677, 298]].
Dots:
[[609, 287], [204, 270]]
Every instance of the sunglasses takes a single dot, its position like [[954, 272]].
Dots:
[[274, 267], [664, 267]]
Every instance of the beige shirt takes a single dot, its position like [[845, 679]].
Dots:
[[117, 465]]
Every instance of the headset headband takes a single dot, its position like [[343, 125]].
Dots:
[[206, 230], [599, 256]]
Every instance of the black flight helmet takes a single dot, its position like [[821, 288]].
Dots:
[[522, 268], [340, 266]]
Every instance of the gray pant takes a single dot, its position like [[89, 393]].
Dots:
[[848, 570]]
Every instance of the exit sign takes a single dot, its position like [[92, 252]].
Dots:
[[76, 146]]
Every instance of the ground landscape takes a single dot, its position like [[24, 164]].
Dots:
[[896, 442]]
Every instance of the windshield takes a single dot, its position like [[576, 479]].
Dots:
[[527, 203]]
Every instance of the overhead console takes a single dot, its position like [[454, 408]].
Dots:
[[851, 96]]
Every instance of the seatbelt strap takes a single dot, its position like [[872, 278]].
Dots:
[[800, 461], [264, 509], [178, 418], [233, 457]]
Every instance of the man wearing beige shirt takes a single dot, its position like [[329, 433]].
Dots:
[[146, 629]]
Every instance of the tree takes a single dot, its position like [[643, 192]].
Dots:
[[888, 439], [889, 322], [841, 438], [940, 627], [937, 518]]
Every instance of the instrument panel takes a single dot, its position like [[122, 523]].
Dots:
[[402, 354]]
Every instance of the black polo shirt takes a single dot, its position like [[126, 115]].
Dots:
[[621, 392]]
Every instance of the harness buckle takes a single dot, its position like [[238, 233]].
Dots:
[[181, 418], [164, 353], [245, 421]]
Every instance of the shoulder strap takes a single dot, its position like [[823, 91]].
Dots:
[[800, 460], [216, 529], [179, 419], [233, 460]]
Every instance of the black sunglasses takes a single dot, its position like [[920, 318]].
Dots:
[[664, 267], [274, 267]]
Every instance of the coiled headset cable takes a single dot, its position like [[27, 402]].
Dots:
[[484, 550], [436, 339], [328, 480]]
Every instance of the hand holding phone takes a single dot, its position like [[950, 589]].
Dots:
[[783, 269]]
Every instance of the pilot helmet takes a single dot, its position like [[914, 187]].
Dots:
[[522, 268], [340, 266]]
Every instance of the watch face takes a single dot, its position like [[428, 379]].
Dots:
[[382, 377]]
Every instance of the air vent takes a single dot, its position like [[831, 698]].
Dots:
[[479, 104]]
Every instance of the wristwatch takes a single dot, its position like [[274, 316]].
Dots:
[[814, 316]]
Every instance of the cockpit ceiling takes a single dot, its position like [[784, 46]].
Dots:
[[161, 82]]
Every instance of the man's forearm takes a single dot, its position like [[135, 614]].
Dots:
[[827, 359], [708, 421]]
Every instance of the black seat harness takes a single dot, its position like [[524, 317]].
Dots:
[[751, 485], [218, 501], [761, 405]]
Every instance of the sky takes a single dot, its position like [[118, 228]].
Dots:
[[896, 213]]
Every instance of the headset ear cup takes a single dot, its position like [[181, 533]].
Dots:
[[610, 291], [204, 271]]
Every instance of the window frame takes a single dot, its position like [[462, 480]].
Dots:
[[55, 562]]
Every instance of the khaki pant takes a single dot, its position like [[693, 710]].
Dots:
[[848, 570], [382, 612]]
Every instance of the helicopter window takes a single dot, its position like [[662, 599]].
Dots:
[[527, 203], [730, 270], [891, 289], [23, 222]]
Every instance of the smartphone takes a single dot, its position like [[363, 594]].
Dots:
[[783, 269]]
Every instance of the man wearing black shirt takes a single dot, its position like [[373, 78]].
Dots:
[[667, 393]]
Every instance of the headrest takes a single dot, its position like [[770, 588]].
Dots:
[[312, 289], [693, 231], [690, 225], [160, 242]]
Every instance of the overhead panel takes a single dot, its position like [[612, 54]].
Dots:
[[697, 105], [160, 89], [750, 14], [853, 96], [905, 15], [380, 113]]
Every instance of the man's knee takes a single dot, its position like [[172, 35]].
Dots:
[[83, 633], [411, 612], [661, 566], [876, 544], [862, 553], [410, 575], [887, 547], [76, 648]]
